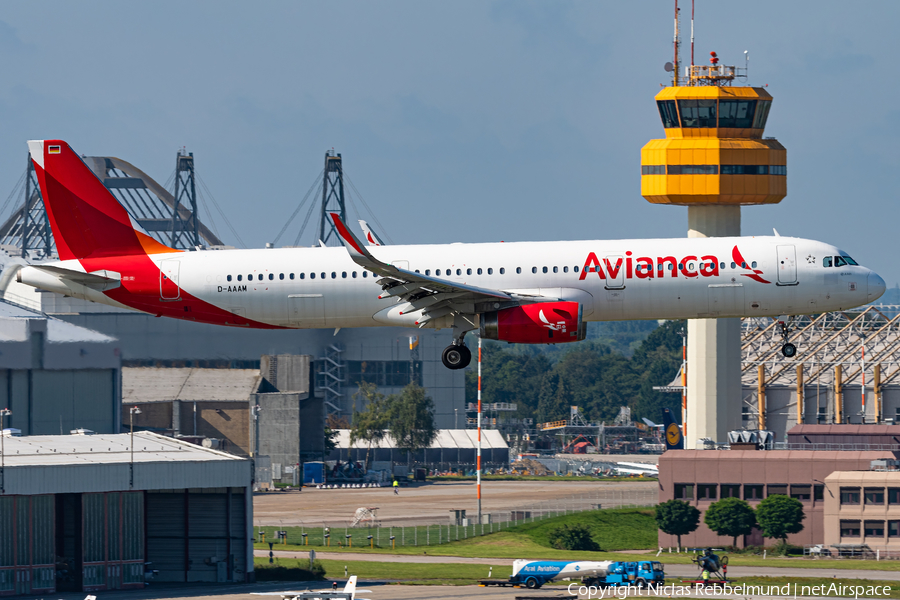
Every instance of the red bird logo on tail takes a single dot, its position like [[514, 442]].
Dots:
[[739, 259]]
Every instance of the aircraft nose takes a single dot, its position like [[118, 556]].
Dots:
[[876, 286]]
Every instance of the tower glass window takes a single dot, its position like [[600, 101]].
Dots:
[[667, 113], [697, 113], [762, 114], [736, 113]]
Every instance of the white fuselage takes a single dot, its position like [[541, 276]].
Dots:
[[636, 279]]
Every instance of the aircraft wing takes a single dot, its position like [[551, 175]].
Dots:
[[312, 594], [650, 423], [372, 238], [433, 296]]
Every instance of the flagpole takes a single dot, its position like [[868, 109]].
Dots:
[[478, 458]]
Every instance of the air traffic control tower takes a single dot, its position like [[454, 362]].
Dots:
[[714, 160]]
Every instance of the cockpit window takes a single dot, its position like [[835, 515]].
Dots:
[[826, 262], [839, 261], [849, 260]]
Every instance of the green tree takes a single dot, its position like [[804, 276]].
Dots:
[[779, 516], [731, 517], [410, 417], [330, 441], [572, 537], [369, 424], [677, 517]]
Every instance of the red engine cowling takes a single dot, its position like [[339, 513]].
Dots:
[[541, 323]]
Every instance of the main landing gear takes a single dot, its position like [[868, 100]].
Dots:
[[456, 356], [788, 349]]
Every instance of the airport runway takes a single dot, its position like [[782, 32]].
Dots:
[[432, 502], [827, 570]]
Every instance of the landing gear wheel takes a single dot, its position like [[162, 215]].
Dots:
[[789, 350], [456, 357]]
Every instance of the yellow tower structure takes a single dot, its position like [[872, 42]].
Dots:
[[714, 159]]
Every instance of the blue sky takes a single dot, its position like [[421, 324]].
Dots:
[[462, 121]]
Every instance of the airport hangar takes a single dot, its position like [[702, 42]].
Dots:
[[85, 512]]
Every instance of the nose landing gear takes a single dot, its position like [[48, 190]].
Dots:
[[788, 349]]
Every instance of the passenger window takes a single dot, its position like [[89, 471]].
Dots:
[[479, 271], [354, 275], [490, 271], [333, 275], [733, 266], [428, 271], [502, 270], [250, 277], [312, 275], [534, 269], [518, 270], [322, 275], [565, 269], [272, 276], [260, 276], [722, 266], [826, 262], [556, 269], [575, 269], [468, 271], [438, 272], [753, 264], [671, 268], [228, 278], [839, 261], [543, 269], [240, 277], [343, 274], [281, 276], [365, 273], [459, 271]]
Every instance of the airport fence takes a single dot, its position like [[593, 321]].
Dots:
[[413, 532]]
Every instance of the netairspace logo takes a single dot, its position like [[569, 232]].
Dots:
[[790, 590]]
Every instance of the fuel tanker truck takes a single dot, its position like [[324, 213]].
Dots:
[[535, 573]]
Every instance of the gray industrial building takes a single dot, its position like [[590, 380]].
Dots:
[[85, 512], [380, 355], [56, 376]]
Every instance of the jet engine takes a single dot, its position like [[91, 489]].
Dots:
[[540, 323]]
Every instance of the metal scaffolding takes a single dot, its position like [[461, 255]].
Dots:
[[330, 377], [837, 349]]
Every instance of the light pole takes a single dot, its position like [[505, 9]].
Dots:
[[134, 410], [4, 412], [254, 412]]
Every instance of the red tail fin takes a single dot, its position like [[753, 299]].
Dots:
[[87, 220]]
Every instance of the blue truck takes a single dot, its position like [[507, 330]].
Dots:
[[535, 573]]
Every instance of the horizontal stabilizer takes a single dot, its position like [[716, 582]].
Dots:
[[98, 280]]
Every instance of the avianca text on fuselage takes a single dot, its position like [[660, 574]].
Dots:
[[644, 267]]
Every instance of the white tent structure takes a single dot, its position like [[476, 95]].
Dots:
[[451, 446]]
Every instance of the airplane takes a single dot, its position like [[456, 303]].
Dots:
[[348, 593], [521, 292]]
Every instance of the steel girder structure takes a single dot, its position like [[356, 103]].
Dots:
[[169, 218], [843, 348], [332, 199], [28, 228]]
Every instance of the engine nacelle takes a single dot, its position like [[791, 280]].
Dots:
[[540, 323]]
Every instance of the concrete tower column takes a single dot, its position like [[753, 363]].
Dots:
[[713, 347]]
